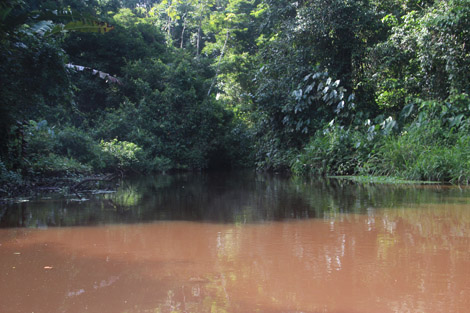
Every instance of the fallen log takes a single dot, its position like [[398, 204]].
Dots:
[[109, 177]]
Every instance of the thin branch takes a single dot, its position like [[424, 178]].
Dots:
[[87, 180], [100, 74]]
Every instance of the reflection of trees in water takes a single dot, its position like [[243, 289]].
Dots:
[[406, 258], [235, 197], [294, 267]]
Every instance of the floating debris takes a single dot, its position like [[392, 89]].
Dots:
[[79, 200]]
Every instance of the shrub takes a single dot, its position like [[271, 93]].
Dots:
[[124, 153], [40, 138], [336, 151], [9, 177], [74, 143], [424, 152], [53, 164], [161, 164]]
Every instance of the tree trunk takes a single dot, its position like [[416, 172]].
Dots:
[[169, 26], [182, 34], [198, 38], [218, 63]]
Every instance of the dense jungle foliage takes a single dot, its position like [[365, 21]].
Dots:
[[335, 87]]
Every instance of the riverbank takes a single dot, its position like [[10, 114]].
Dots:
[[77, 183], [30, 187], [385, 180]]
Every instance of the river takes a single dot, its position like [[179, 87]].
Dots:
[[239, 242]]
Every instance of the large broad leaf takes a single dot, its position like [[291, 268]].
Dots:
[[60, 16], [47, 22], [407, 110], [42, 27], [84, 26]]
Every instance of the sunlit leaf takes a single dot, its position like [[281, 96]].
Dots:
[[82, 26], [42, 27]]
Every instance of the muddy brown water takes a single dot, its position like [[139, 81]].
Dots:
[[239, 242]]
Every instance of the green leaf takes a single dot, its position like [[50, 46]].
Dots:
[[4, 13]]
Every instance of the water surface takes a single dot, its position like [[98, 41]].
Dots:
[[239, 242]]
